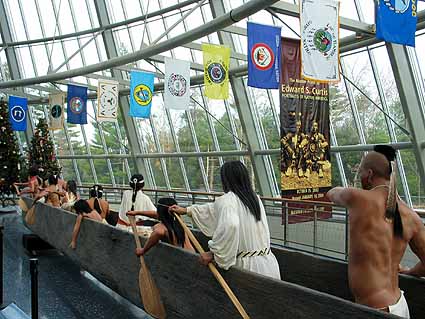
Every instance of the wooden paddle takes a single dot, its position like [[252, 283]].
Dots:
[[214, 270], [148, 290]]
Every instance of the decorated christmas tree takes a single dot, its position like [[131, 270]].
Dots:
[[42, 152], [11, 160]]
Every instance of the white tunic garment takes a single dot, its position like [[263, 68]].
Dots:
[[234, 229], [142, 202]]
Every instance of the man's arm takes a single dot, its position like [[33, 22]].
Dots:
[[417, 244], [342, 196], [147, 213]]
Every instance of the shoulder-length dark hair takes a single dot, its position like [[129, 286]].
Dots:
[[71, 187], [235, 178], [81, 206], [174, 229]]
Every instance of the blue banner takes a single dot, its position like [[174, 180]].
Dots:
[[141, 93], [263, 56], [396, 21], [18, 107], [77, 104]]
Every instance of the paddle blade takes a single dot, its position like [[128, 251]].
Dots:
[[149, 292], [22, 205], [30, 216]]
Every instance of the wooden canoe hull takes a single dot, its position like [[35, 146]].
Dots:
[[188, 290]]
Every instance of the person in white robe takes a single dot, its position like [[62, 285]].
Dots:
[[136, 200], [237, 225]]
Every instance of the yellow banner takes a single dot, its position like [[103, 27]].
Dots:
[[216, 71]]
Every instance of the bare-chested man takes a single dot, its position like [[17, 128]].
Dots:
[[379, 233]]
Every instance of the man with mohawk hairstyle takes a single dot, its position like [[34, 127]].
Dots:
[[381, 227]]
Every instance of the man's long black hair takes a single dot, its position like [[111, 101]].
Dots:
[[174, 229], [392, 210], [235, 178]]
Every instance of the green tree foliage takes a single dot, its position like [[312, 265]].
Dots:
[[41, 152], [11, 161]]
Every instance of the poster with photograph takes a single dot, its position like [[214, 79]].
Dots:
[[305, 140]]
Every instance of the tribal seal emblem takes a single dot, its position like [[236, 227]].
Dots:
[[262, 56], [77, 105], [323, 40], [398, 6], [216, 72], [56, 111], [177, 84], [142, 95], [18, 113]]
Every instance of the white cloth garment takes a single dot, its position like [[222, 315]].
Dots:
[[234, 229], [142, 202], [400, 308]]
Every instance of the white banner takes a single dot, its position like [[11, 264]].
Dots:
[[177, 84], [107, 100], [56, 111], [319, 40]]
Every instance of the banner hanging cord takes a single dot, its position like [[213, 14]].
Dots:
[[404, 130]]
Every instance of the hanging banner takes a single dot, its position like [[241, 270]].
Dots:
[[18, 107], [77, 104], [56, 116], [263, 56], [320, 40], [216, 71], [305, 154], [141, 93], [107, 100], [396, 21], [177, 84]]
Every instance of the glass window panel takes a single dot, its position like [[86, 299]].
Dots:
[[68, 170], [76, 138], [341, 116], [194, 174], [27, 68], [413, 178], [102, 171], [119, 170], [65, 18], [85, 171], [351, 161], [158, 173]]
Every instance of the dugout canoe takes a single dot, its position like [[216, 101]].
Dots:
[[313, 287]]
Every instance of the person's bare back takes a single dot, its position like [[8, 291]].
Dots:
[[374, 251], [380, 231]]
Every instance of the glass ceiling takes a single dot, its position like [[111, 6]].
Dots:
[[103, 153]]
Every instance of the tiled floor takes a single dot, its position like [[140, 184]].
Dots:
[[64, 293]]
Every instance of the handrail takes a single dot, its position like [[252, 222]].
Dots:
[[217, 194]]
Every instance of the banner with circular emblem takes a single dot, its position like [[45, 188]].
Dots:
[[18, 107], [56, 117], [216, 71], [177, 84], [76, 104], [141, 94], [263, 56], [396, 21], [320, 40], [107, 100]]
